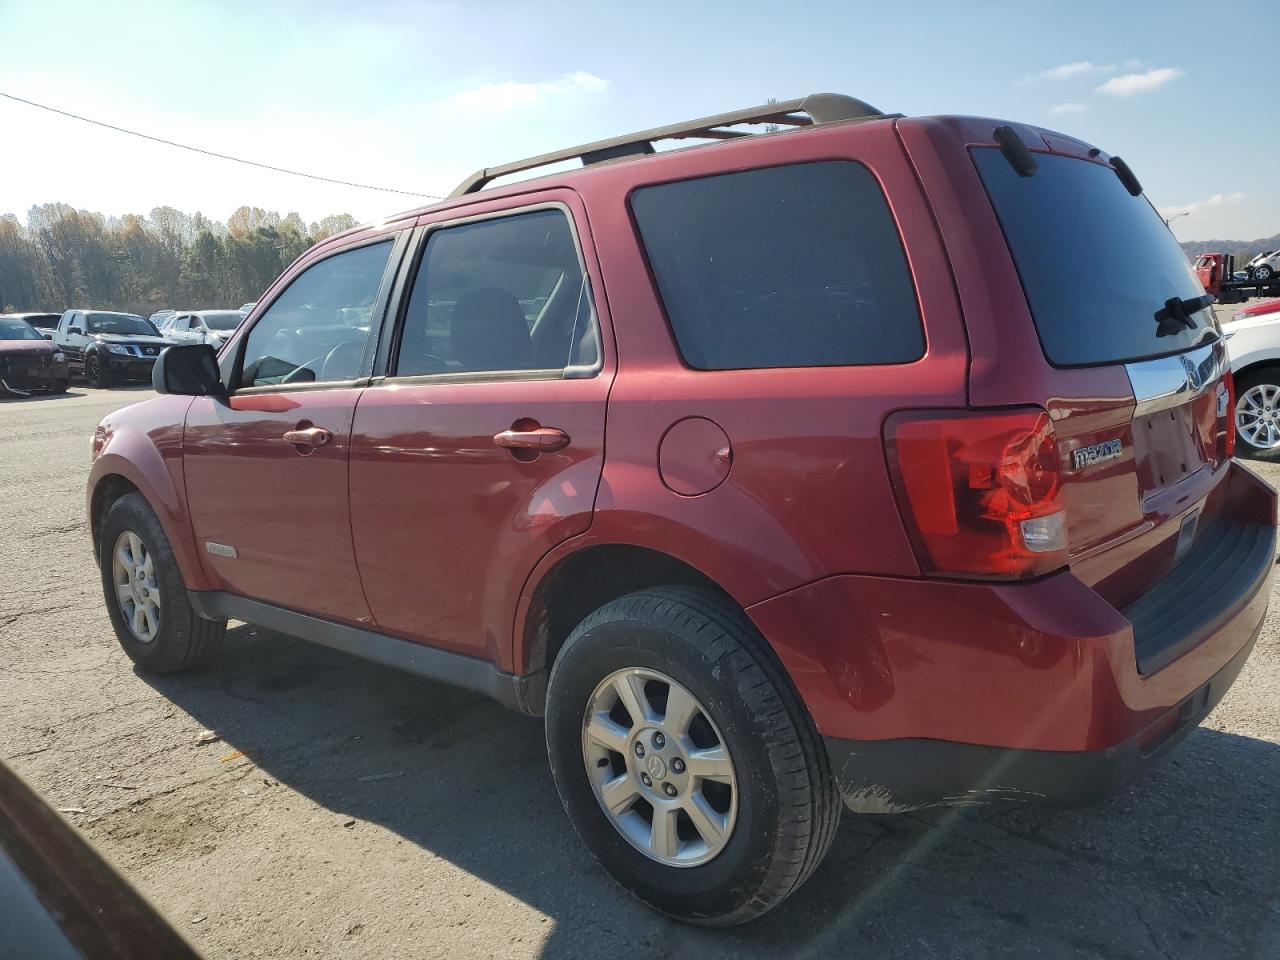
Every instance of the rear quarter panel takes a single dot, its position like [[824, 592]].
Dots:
[[807, 494]]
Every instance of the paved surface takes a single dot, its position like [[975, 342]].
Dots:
[[349, 811]]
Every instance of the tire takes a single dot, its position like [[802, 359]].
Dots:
[[1263, 273], [182, 640], [783, 809], [1252, 389], [95, 371], [61, 386]]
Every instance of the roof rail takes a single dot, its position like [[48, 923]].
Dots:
[[803, 112]]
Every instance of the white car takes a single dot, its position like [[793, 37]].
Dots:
[[1253, 345], [1264, 266], [213, 327]]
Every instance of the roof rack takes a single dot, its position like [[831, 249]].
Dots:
[[806, 111]]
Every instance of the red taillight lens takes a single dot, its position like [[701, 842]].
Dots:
[[980, 491], [1227, 417]]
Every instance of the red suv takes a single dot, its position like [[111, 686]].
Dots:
[[874, 460]]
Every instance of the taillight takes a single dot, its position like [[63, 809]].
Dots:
[[980, 491], [1226, 417]]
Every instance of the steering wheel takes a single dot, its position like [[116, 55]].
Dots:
[[343, 361]]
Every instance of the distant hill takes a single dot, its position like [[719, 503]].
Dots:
[[1245, 250]]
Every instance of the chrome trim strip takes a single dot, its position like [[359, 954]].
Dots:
[[1167, 382]]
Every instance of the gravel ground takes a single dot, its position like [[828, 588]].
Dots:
[[350, 811]]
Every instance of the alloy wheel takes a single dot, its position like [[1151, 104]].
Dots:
[[1258, 416], [659, 767], [137, 591]]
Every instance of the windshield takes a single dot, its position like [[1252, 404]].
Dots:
[[222, 319], [125, 323], [1097, 263], [14, 329]]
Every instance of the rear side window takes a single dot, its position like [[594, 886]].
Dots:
[[796, 266], [1096, 262]]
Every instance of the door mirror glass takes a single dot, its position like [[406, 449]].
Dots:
[[190, 370], [76, 332]]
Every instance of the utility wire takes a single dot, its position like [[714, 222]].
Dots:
[[214, 153]]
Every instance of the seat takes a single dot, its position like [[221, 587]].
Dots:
[[489, 331]]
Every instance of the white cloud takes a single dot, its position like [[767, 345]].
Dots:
[[510, 94], [1127, 84], [1079, 68], [1200, 206], [1069, 108]]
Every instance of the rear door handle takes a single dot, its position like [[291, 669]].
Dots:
[[308, 437], [537, 438]]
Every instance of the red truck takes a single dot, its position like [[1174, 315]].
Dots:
[[821, 466], [1217, 273]]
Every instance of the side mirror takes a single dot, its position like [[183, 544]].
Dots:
[[76, 331], [47, 336], [190, 370]]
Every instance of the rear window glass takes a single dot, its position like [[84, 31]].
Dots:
[[796, 266], [1096, 262]]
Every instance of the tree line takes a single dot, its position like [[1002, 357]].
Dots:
[[64, 258]]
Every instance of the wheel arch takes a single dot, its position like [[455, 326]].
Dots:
[[113, 476], [558, 598]]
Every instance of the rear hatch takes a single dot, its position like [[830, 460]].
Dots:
[[1140, 397]]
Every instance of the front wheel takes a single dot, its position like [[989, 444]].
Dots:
[[145, 595], [1258, 412], [685, 760], [95, 371]]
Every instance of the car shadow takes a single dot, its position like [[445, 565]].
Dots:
[[66, 395], [1184, 864]]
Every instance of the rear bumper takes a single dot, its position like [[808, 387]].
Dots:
[[889, 776], [924, 688]]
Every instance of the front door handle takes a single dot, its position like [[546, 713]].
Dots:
[[308, 437], [542, 439]]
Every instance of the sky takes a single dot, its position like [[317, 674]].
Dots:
[[415, 96]]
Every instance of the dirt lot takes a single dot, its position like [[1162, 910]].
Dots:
[[351, 811]]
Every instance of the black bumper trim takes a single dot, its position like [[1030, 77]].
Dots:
[[1229, 563], [892, 776]]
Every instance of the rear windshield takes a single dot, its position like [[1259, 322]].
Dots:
[[795, 266], [222, 319], [46, 321], [1096, 262]]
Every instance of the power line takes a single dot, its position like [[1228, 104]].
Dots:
[[214, 153]]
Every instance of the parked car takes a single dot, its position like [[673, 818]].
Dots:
[[108, 347], [28, 361], [840, 495], [160, 319], [1264, 266], [1270, 305], [213, 327], [61, 899], [43, 322], [1253, 344]]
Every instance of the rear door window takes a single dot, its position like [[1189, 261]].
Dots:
[[1096, 262], [794, 266]]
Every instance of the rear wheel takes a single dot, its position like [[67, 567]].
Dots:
[[95, 371], [684, 759], [1263, 273], [1258, 412], [145, 595]]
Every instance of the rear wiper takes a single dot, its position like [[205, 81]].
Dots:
[[1176, 313]]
